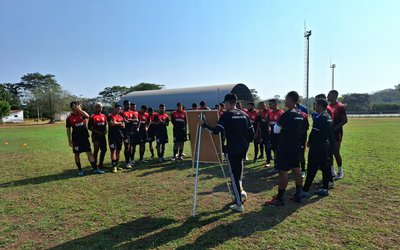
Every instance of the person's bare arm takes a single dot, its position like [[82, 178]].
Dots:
[[80, 111], [69, 137]]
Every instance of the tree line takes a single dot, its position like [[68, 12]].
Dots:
[[42, 97]]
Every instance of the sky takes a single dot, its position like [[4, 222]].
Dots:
[[91, 44]]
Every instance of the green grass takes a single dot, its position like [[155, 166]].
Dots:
[[43, 204]]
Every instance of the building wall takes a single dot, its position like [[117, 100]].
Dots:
[[14, 117]]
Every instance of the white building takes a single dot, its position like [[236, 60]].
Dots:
[[62, 116], [15, 116]]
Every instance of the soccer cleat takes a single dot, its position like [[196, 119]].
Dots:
[[247, 158], [236, 208], [173, 159], [274, 202], [331, 185], [80, 173], [143, 161], [303, 174], [115, 170], [322, 192], [128, 166], [180, 158], [132, 163], [295, 198], [338, 176], [160, 160], [267, 164], [98, 171]]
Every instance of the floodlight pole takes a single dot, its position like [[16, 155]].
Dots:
[[307, 34], [333, 66]]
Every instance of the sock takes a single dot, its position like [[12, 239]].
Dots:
[[102, 155], [281, 194], [114, 163], [152, 152], [94, 166], [175, 153], [298, 191], [333, 170], [340, 170], [78, 164], [180, 152]]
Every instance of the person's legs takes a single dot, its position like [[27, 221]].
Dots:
[[299, 182], [91, 160], [283, 182], [312, 169], [235, 172], [127, 151], [303, 158], [151, 148], [180, 150], [261, 150], [142, 149], [175, 150], [96, 148], [255, 151], [338, 158], [78, 162]]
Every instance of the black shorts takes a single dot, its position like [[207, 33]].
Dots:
[[129, 138], [115, 143], [151, 134], [288, 160], [180, 135], [101, 140], [81, 145], [162, 138], [141, 137], [274, 140]]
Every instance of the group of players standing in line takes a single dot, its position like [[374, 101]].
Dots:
[[283, 134]]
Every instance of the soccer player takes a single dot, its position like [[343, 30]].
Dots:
[[161, 121], [130, 120], [254, 119], [328, 109], [194, 106], [320, 143], [79, 139], [143, 127], [289, 128], [151, 132], [264, 131], [179, 121], [239, 132], [303, 138], [274, 116], [221, 109], [339, 120], [116, 125], [98, 125], [203, 106]]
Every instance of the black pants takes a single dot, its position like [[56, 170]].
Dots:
[[235, 165], [317, 159]]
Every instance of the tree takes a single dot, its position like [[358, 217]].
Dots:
[[397, 87], [44, 94], [4, 109], [255, 95], [11, 92], [356, 102], [145, 86]]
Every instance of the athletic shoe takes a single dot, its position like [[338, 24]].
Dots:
[[267, 164], [80, 172], [338, 176], [180, 158], [98, 171], [331, 185], [305, 194], [322, 192], [115, 170], [295, 198], [183, 154], [173, 159], [236, 208], [274, 202], [132, 163], [143, 161], [160, 160], [303, 174], [128, 166], [247, 158]]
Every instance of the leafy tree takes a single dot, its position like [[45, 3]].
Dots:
[[11, 92], [397, 87], [4, 109], [255, 95], [145, 86], [356, 101]]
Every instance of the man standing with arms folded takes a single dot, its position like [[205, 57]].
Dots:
[[129, 118], [238, 132], [263, 131], [339, 120], [143, 127], [274, 116], [161, 121], [289, 128], [253, 116], [179, 121], [116, 124], [98, 126]]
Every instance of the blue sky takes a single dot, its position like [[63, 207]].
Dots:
[[89, 45]]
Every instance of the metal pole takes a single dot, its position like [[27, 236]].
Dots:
[[333, 78], [308, 65], [197, 169]]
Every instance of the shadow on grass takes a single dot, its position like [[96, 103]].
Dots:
[[149, 232], [66, 174]]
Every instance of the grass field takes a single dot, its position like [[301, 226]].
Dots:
[[43, 204]]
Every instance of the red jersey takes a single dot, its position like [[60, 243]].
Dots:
[[78, 124], [98, 122], [115, 131], [152, 116], [253, 115], [339, 113], [130, 115], [163, 118], [274, 116], [143, 119], [178, 117]]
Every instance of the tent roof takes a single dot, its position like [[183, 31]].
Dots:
[[211, 95]]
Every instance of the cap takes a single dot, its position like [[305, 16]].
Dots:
[[230, 97]]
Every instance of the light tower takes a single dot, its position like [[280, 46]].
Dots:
[[333, 66], [307, 34]]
